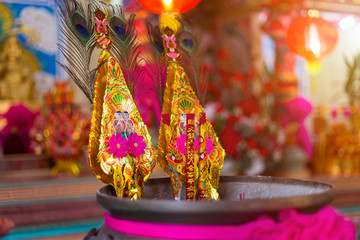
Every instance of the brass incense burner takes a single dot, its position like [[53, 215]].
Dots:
[[243, 199]]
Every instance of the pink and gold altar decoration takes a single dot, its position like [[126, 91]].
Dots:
[[311, 36], [336, 141], [188, 150], [120, 147], [62, 130]]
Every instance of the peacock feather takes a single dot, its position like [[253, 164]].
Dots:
[[126, 49], [76, 42], [193, 57], [155, 61]]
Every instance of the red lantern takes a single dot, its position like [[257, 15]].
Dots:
[[311, 37], [158, 7]]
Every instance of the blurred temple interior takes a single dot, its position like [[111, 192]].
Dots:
[[278, 80]]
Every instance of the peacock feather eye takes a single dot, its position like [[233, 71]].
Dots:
[[159, 46], [119, 27], [188, 43], [79, 23], [82, 30], [120, 31]]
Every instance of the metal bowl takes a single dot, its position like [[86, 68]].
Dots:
[[263, 196]]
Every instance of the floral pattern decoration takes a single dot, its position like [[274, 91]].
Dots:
[[120, 146]]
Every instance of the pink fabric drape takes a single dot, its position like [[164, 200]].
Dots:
[[326, 224]]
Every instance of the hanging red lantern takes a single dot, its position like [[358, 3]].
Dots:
[[160, 6], [312, 37]]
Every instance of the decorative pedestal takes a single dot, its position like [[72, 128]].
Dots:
[[66, 165]]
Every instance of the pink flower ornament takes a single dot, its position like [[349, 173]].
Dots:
[[209, 146], [181, 144], [118, 146], [136, 145]]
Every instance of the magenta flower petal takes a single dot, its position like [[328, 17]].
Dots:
[[181, 143], [136, 144], [118, 146], [209, 146]]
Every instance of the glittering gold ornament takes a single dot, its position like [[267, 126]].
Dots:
[[114, 157]]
